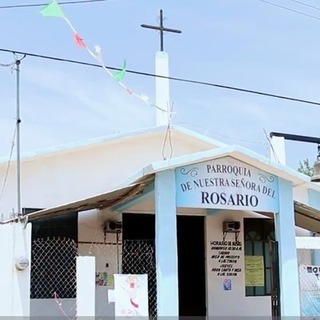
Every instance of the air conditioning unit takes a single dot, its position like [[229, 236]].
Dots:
[[231, 226], [113, 226]]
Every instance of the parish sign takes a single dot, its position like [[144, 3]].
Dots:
[[226, 183]]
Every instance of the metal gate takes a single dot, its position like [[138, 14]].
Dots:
[[275, 287], [53, 277], [127, 257], [138, 257]]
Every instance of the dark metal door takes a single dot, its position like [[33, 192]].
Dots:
[[275, 286]]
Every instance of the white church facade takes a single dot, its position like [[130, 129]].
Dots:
[[198, 227], [211, 224]]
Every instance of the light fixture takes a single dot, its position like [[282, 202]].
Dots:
[[316, 168]]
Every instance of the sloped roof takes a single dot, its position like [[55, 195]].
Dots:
[[178, 131], [100, 201], [237, 152], [305, 216]]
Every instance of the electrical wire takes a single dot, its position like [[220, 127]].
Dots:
[[7, 64], [271, 146], [168, 137], [8, 164], [207, 130], [15, 6], [11, 64], [204, 83], [58, 301], [305, 4], [289, 9]]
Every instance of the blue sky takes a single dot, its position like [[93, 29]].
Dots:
[[242, 43]]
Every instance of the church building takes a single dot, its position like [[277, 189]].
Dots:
[[212, 228]]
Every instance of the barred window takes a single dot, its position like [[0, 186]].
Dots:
[[257, 234]]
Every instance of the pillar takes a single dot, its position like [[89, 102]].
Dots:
[[288, 263], [166, 244], [162, 88], [86, 287], [277, 150], [15, 245]]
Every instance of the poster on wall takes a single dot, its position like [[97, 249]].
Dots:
[[254, 271], [131, 295], [309, 280], [225, 258]]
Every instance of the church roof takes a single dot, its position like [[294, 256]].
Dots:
[[238, 152], [177, 131]]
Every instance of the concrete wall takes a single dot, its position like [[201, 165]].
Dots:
[[300, 194], [15, 242], [108, 256], [51, 308], [63, 177], [219, 302], [233, 302]]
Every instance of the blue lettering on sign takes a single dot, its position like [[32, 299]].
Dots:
[[224, 199]]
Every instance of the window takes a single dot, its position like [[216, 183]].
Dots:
[[257, 236]]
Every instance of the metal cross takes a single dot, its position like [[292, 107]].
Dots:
[[161, 28]]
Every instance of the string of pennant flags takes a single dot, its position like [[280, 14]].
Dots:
[[53, 9]]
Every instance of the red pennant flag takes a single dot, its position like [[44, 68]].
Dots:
[[79, 41]]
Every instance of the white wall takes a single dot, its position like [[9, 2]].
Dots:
[[300, 194], [233, 302], [51, 308], [219, 302], [86, 286], [108, 256], [63, 177], [15, 242]]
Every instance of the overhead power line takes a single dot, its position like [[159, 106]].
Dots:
[[141, 73], [289, 9], [305, 4], [15, 6]]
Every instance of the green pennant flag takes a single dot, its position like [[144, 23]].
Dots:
[[119, 75], [52, 10]]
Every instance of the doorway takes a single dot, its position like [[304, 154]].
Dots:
[[191, 258], [191, 266]]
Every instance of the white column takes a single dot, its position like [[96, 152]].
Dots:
[[15, 245], [86, 286], [278, 150], [162, 88], [288, 263], [166, 245]]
